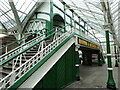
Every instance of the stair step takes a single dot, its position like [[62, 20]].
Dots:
[[7, 67], [4, 72], [30, 54], [33, 49], [26, 57], [23, 61], [48, 41]]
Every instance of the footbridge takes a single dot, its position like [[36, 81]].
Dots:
[[47, 55]]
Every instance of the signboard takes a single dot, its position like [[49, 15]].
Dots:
[[83, 42]]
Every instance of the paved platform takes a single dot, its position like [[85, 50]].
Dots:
[[94, 77]]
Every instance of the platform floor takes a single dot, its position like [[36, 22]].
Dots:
[[94, 77]]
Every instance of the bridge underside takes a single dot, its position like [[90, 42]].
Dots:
[[89, 55]]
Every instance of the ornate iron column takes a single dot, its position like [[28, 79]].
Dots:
[[110, 82]]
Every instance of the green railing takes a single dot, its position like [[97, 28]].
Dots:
[[18, 48], [17, 41], [23, 68]]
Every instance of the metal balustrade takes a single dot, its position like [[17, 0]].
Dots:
[[21, 64], [18, 72], [40, 31], [34, 27]]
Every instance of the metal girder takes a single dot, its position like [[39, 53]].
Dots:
[[95, 5], [115, 11], [14, 10], [4, 12], [91, 17], [88, 20], [7, 16], [85, 10], [3, 26], [114, 6], [91, 24], [119, 23], [115, 19], [96, 19], [91, 21], [96, 28]]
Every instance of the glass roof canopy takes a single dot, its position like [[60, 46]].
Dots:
[[90, 10], [6, 14]]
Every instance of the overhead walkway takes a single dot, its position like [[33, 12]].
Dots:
[[37, 56]]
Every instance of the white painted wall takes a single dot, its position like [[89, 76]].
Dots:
[[45, 7], [56, 10]]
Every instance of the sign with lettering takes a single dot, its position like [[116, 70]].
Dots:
[[83, 42]]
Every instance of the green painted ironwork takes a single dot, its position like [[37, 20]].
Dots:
[[116, 59], [31, 46], [51, 14], [30, 72], [110, 82], [17, 41], [70, 63], [62, 73], [65, 16], [40, 63]]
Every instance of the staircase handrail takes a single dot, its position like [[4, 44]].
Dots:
[[12, 57], [20, 40]]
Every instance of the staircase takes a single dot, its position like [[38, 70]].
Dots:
[[7, 40], [19, 61], [33, 29]]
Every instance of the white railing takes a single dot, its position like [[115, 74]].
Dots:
[[19, 69], [33, 27], [18, 72]]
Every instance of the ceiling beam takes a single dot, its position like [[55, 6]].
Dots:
[[82, 9], [90, 17], [3, 26], [16, 16], [95, 5]]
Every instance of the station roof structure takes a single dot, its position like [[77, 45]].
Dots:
[[97, 13]]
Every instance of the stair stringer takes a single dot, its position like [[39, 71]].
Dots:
[[40, 73]]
